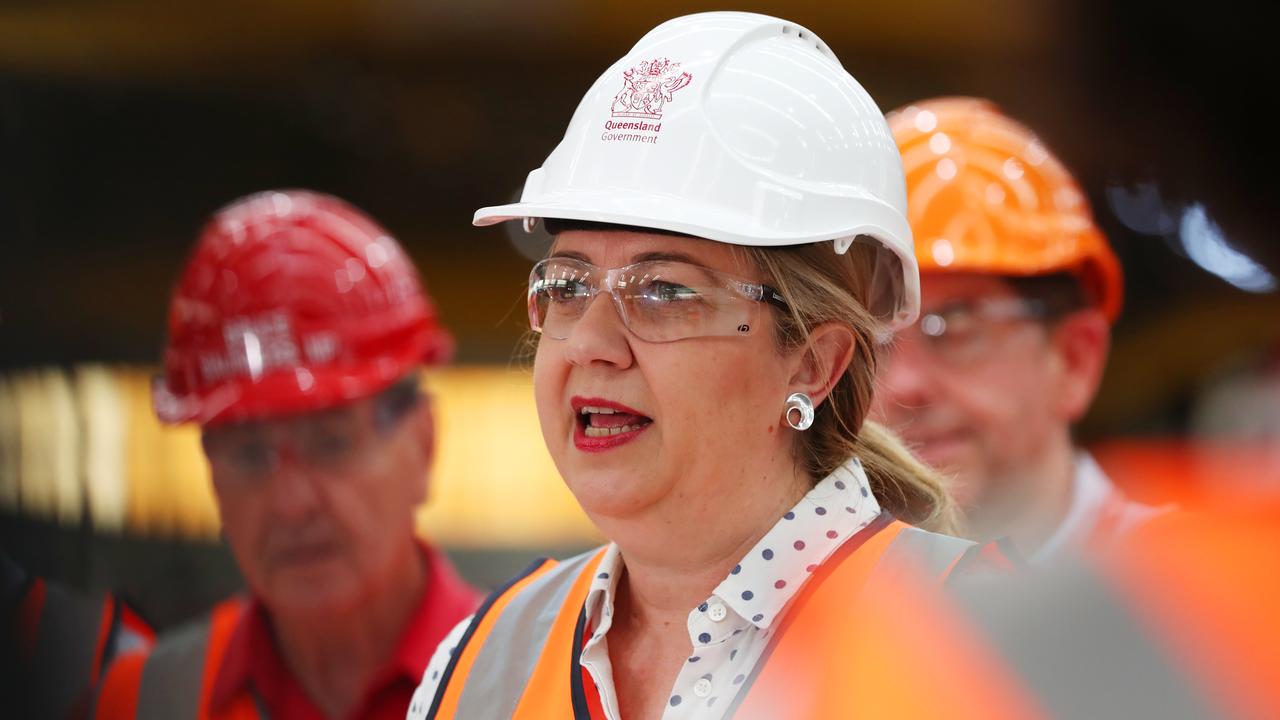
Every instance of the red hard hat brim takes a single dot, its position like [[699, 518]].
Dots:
[[294, 391]]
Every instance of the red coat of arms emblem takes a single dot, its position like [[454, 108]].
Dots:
[[647, 87]]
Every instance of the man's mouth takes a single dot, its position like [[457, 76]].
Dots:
[[934, 447], [304, 553]]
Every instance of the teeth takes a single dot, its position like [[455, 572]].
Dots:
[[597, 410], [596, 432]]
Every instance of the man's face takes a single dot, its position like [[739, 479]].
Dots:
[[317, 508], [974, 388]]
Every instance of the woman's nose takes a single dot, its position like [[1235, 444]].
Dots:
[[600, 336]]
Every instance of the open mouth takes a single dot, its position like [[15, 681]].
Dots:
[[602, 423], [599, 422]]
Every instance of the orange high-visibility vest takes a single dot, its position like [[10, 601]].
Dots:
[[1178, 620], [176, 678], [64, 641], [520, 656]]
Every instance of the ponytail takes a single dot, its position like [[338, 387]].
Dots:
[[823, 287]]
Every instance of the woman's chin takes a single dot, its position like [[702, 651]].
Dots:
[[610, 496]]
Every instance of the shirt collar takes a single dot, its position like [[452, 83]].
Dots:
[[250, 655], [1090, 488], [604, 587], [772, 572], [252, 658], [770, 575]]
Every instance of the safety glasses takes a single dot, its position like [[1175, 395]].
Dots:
[[329, 442], [658, 300], [962, 334]]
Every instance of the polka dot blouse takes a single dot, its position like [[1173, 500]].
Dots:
[[728, 631]]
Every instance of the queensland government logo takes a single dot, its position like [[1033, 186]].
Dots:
[[646, 90]]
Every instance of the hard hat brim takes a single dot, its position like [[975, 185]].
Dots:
[[877, 221], [295, 390]]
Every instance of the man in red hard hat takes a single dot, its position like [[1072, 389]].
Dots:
[[1018, 292], [296, 335]]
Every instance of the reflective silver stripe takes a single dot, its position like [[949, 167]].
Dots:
[[919, 552], [501, 670], [173, 673], [1078, 648]]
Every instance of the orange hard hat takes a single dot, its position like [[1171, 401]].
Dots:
[[984, 195]]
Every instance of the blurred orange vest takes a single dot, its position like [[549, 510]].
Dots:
[[1177, 619], [178, 676], [65, 640]]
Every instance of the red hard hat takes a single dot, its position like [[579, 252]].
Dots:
[[292, 301]]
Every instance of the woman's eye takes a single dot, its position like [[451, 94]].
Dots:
[[562, 290], [671, 292]]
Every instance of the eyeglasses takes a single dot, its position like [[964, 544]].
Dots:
[[964, 333], [658, 300], [328, 442]]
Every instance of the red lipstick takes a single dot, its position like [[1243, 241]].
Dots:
[[601, 424]]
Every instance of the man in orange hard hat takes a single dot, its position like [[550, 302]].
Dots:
[[296, 336], [1019, 289]]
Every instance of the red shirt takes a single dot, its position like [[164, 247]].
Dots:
[[252, 663]]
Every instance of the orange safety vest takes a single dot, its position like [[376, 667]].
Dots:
[[520, 656], [176, 678], [65, 640], [1176, 621]]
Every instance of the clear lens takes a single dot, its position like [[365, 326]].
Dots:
[[658, 301], [666, 301], [962, 334], [322, 442], [559, 292]]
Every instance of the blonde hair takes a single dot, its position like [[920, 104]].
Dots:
[[821, 287]]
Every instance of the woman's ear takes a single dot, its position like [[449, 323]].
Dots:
[[823, 360]]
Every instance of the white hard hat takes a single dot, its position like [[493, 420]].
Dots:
[[740, 128]]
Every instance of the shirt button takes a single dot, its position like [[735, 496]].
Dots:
[[717, 612], [702, 688]]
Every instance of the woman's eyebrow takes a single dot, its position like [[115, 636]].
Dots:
[[667, 256], [570, 255]]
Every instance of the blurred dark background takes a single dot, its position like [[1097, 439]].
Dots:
[[123, 123]]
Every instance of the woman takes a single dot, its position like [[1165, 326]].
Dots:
[[703, 371]]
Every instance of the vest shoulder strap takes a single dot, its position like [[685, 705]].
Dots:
[[510, 641], [66, 639], [454, 678], [922, 553], [549, 691], [178, 675], [798, 675]]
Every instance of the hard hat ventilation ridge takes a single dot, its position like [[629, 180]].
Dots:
[[808, 38]]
